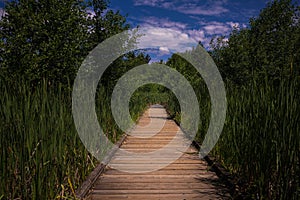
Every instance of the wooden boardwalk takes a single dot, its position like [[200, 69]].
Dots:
[[186, 178]]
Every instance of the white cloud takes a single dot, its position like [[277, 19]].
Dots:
[[147, 2], [165, 28], [197, 35], [216, 29], [164, 50], [219, 28], [202, 10], [166, 39], [162, 22], [170, 36], [195, 7]]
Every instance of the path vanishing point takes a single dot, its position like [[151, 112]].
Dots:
[[188, 177]]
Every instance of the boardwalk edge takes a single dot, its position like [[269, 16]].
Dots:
[[221, 172], [85, 187]]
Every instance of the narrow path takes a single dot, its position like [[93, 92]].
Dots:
[[186, 178]]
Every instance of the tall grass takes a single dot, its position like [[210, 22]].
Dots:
[[260, 141], [42, 156]]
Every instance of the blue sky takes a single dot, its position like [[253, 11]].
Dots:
[[185, 22], [177, 25]]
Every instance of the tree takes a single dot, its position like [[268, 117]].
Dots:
[[43, 39], [120, 66], [275, 38], [48, 39], [269, 48], [105, 23], [185, 68]]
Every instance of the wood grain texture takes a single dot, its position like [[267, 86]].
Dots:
[[186, 178]]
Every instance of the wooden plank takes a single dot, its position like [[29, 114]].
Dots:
[[155, 161], [147, 186], [159, 172], [152, 179], [200, 195], [200, 175], [151, 192], [188, 177], [178, 167]]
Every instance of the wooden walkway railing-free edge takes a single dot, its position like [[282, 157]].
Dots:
[[186, 178]]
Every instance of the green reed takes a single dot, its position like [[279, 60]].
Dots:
[[42, 156], [260, 141]]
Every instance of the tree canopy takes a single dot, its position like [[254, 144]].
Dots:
[[268, 48], [48, 39]]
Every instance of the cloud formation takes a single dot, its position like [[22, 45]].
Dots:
[[216, 28], [164, 50], [194, 7], [198, 35], [165, 39], [147, 2], [165, 36], [179, 37], [176, 36], [162, 22]]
